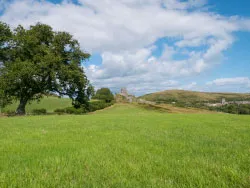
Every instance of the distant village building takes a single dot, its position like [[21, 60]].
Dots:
[[223, 101]]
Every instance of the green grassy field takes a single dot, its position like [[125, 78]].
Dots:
[[125, 146], [48, 103]]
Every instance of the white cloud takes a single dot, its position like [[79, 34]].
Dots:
[[191, 86], [113, 25], [240, 81], [124, 32]]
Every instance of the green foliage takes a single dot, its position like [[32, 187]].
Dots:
[[233, 108], [104, 94], [98, 105], [73, 110], [60, 111], [70, 110], [5, 36], [41, 111], [3, 100], [90, 91], [126, 146], [37, 61], [10, 113], [91, 107], [244, 110]]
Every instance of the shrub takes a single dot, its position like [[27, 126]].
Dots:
[[10, 113], [91, 107], [233, 108], [60, 111], [72, 110], [244, 110], [39, 111], [98, 105]]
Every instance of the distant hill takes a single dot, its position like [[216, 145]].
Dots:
[[193, 96]]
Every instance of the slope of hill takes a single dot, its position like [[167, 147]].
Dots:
[[193, 96], [48, 103], [169, 108]]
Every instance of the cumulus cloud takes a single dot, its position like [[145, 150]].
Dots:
[[190, 86], [123, 32], [239, 81]]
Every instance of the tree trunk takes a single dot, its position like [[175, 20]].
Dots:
[[21, 108]]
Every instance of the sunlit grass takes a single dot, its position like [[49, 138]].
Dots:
[[48, 103], [125, 146]]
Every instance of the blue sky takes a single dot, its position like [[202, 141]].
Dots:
[[151, 45], [238, 57]]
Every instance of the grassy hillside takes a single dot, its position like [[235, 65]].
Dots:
[[193, 96], [125, 146], [175, 110], [49, 103]]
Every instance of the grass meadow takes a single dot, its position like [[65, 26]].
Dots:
[[125, 146], [48, 103]]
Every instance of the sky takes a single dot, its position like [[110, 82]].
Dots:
[[151, 45]]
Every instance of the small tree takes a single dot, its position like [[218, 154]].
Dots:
[[104, 94], [37, 61]]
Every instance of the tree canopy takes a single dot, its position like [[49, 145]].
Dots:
[[38, 60], [104, 94]]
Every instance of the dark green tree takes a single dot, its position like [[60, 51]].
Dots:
[[104, 94], [244, 109], [36, 61], [5, 37]]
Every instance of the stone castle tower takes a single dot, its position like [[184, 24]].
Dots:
[[124, 92]]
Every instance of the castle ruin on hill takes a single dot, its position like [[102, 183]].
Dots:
[[124, 92], [128, 97]]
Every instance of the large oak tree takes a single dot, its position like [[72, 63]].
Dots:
[[38, 60]]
